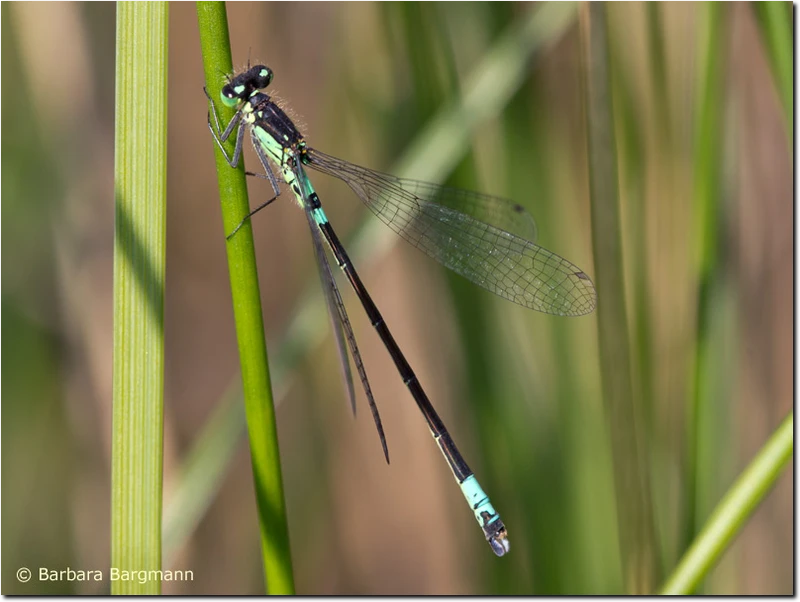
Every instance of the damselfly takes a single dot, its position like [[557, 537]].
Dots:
[[485, 239]]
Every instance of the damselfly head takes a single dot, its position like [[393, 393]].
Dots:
[[242, 86]]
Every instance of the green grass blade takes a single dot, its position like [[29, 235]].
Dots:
[[634, 505], [709, 151], [259, 408], [775, 19], [139, 266], [734, 509], [660, 79]]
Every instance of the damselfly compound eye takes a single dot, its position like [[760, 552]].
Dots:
[[262, 76]]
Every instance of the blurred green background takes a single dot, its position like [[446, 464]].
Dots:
[[704, 151]]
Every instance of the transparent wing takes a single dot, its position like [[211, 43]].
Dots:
[[343, 331], [497, 211], [331, 302], [483, 238]]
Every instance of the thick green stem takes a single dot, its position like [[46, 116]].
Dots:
[[259, 409]]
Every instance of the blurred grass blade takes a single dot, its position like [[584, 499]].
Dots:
[[259, 408], [709, 153], [140, 174], [203, 472], [777, 29], [634, 507], [658, 61], [487, 90], [735, 508]]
